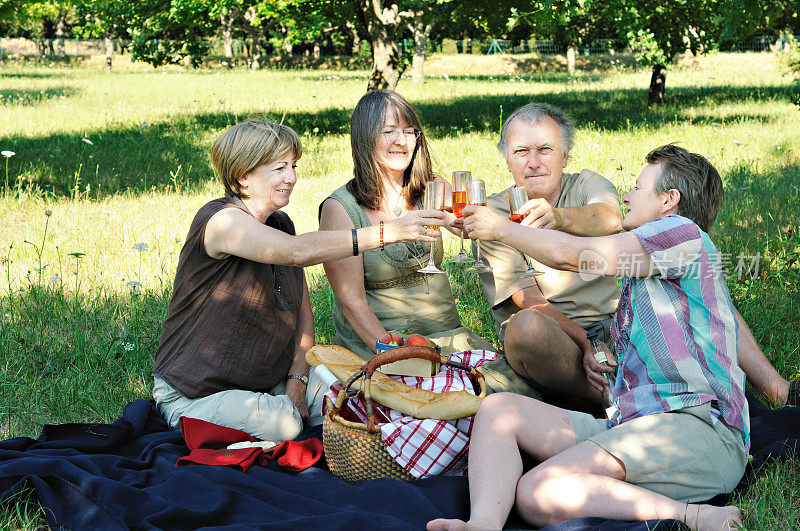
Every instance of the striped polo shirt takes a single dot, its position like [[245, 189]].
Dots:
[[675, 332]]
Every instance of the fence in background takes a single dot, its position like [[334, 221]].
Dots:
[[241, 49]]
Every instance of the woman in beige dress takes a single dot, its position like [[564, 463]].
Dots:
[[381, 290]]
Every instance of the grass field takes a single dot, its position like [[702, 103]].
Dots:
[[113, 166]]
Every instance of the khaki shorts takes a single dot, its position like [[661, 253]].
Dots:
[[681, 454], [266, 416]]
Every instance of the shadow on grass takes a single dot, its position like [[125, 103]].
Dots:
[[12, 97], [30, 75], [136, 159]]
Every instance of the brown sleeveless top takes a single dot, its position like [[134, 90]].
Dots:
[[231, 322]]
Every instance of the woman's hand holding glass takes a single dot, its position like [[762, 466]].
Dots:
[[415, 226]]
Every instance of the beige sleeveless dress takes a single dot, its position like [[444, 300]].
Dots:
[[403, 299]]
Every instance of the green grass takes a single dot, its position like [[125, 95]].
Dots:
[[78, 347]]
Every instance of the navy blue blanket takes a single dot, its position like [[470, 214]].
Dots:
[[123, 475]]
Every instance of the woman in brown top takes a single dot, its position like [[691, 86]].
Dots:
[[232, 348]]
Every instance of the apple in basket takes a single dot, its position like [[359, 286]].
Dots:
[[409, 367], [394, 340], [419, 339]]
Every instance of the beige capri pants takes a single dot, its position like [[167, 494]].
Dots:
[[265, 416], [682, 454]]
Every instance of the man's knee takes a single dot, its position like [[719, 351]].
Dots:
[[526, 326], [524, 333]]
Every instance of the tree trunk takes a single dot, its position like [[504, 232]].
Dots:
[[317, 50], [227, 39], [386, 68], [381, 25], [356, 49], [255, 33], [61, 33], [420, 30], [571, 60], [255, 55], [109, 51], [657, 80]]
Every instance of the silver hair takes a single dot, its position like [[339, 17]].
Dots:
[[536, 113]]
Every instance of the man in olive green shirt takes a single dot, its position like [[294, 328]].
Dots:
[[542, 320]]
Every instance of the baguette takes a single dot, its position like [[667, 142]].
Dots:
[[418, 403]]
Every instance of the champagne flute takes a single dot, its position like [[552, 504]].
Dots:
[[433, 200], [517, 196], [461, 181], [477, 196]]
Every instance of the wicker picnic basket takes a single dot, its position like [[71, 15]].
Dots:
[[354, 450]]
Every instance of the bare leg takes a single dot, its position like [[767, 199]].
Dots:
[[537, 348], [585, 480], [757, 367], [506, 423]]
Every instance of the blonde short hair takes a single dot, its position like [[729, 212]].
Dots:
[[248, 145]]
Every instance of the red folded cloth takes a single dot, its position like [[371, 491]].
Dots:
[[296, 455], [208, 443]]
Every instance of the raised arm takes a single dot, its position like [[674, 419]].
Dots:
[[604, 255], [346, 277], [232, 231], [598, 218]]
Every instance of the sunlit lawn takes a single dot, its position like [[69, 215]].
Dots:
[[121, 159]]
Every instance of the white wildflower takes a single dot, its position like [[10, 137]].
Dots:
[[87, 141], [7, 153], [141, 247], [54, 278]]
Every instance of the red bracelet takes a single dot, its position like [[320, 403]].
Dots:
[[381, 236]]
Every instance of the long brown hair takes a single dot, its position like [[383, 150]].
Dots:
[[365, 126]]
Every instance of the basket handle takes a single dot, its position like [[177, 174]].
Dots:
[[402, 353], [422, 352]]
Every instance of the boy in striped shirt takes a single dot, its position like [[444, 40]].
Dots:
[[680, 432]]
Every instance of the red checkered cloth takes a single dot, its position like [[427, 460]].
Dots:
[[426, 447]]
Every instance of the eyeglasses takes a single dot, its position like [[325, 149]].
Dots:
[[390, 135]]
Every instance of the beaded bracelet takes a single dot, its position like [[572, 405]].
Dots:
[[381, 233], [355, 242]]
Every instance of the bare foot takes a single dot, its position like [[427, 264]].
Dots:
[[441, 524], [711, 518]]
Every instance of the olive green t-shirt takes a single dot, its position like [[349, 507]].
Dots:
[[582, 301]]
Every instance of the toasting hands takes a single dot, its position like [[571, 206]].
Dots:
[[416, 225], [482, 223]]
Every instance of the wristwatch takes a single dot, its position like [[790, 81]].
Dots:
[[302, 377]]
